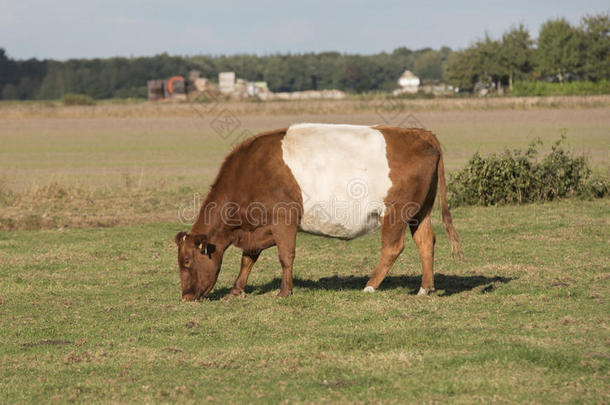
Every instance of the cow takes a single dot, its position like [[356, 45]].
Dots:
[[340, 181]]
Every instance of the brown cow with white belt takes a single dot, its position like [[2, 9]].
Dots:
[[340, 181]]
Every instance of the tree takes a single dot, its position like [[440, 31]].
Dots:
[[10, 92], [429, 65], [516, 53], [357, 74], [488, 60], [8, 69], [480, 62], [596, 38], [559, 49], [461, 69]]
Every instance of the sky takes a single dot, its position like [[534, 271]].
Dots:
[[63, 29]]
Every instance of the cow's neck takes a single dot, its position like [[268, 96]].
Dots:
[[210, 221]]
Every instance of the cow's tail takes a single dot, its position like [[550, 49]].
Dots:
[[454, 239]]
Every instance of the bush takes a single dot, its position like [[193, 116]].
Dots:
[[516, 177], [556, 89], [77, 99]]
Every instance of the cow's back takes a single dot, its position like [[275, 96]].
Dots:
[[343, 174]]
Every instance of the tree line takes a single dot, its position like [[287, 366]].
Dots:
[[562, 52], [120, 77]]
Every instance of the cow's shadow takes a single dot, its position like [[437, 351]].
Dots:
[[445, 285]]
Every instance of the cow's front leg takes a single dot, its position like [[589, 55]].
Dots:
[[247, 262], [286, 239]]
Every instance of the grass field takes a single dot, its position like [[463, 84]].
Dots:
[[94, 315], [89, 287]]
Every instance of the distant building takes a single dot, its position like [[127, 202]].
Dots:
[[174, 88], [156, 90], [226, 82], [408, 82], [229, 86]]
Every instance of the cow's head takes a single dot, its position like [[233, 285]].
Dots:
[[199, 264]]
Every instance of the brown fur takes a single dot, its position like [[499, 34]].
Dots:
[[241, 209], [403, 145]]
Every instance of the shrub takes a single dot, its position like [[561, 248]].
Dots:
[[77, 99], [516, 177]]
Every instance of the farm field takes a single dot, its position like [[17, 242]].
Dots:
[[68, 167], [91, 198]]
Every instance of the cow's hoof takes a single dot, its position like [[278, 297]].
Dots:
[[425, 291], [284, 294], [369, 289], [236, 292]]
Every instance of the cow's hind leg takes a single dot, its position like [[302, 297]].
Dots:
[[286, 240], [424, 239], [247, 262], [392, 244]]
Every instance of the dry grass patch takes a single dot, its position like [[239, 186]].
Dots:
[[351, 105]]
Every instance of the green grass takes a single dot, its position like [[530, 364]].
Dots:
[[94, 315], [537, 88]]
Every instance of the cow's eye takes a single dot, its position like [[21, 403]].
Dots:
[[187, 261]]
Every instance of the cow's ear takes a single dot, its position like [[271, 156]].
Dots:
[[199, 241], [179, 238], [209, 249]]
